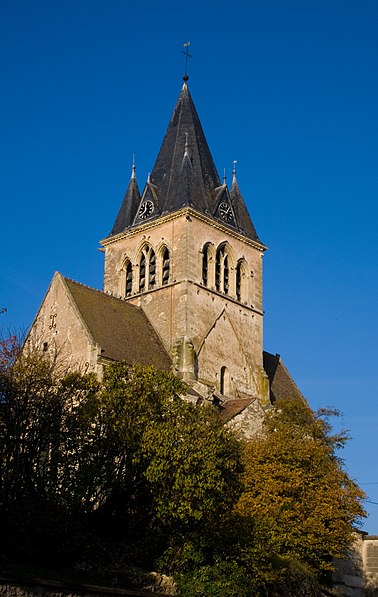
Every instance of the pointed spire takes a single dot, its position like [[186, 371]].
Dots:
[[224, 176], [243, 218], [129, 204], [183, 127], [184, 174]]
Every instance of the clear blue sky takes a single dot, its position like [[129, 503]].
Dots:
[[289, 89]]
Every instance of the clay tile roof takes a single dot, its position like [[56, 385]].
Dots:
[[282, 384], [229, 410], [121, 329]]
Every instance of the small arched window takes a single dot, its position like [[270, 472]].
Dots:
[[166, 266], [129, 278], [224, 381]]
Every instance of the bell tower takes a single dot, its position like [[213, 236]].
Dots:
[[186, 252]]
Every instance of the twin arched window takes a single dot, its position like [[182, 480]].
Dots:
[[220, 272], [154, 269]]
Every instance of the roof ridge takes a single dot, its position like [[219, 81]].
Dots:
[[103, 292]]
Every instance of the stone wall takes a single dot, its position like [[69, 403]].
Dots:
[[370, 563], [152, 584], [204, 329], [59, 332]]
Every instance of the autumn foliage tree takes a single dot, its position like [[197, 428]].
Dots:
[[297, 488]]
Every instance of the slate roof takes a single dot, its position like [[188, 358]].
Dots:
[[128, 207], [121, 329], [184, 175], [281, 383]]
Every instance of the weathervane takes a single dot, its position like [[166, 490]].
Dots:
[[234, 171], [187, 55]]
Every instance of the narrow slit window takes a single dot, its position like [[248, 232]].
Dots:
[[226, 275], [166, 267], [205, 266], [142, 273], [238, 281], [218, 270], [224, 381], [152, 270]]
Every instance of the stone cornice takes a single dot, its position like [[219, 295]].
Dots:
[[225, 297], [187, 212]]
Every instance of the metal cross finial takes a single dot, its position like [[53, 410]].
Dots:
[[224, 176], [133, 167], [187, 55]]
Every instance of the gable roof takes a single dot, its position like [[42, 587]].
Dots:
[[121, 329], [184, 175]]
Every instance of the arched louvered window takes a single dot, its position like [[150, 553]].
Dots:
[[152, 269], [142, 272], [129, 278], [218, 269], [147, 269], [222, 270], [208, 265], [166, 266], [241, 281]]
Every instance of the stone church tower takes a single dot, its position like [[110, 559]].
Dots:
[[186, 252], [182, 286]]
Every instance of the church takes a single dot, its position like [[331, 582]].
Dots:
[[182, 286]]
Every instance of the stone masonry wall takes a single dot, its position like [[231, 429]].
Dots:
[[220, 330], [57, 330]]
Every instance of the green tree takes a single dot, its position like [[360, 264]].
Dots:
[[175, 468], [125, 459]]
